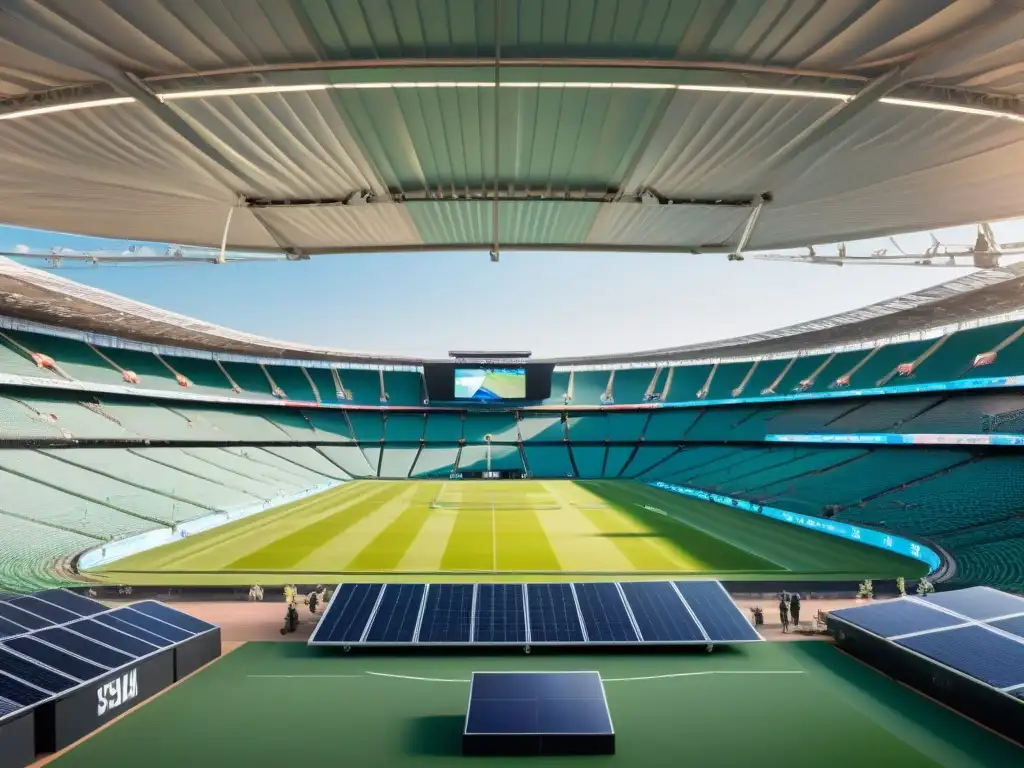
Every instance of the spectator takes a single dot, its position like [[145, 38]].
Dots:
[[794, 609], [784, 613]]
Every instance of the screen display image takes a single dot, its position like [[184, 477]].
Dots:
[[490, 384]]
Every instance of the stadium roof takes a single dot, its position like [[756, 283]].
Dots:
[[48, 299], [328, 126]]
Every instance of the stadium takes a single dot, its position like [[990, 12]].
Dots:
[[588, 548]]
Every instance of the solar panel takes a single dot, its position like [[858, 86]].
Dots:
[[22, 618], [155, 626], [524, 614], [175, 618], [59, 660], [119, 623], [20, 692], [87, 649], [112, 637], [448, 615], [978, 603], [604, 614], [347, 614], [891, 618], [8, 707], [1014, 626], [716, 612], [533, 707], [83, 606], [660, 614], [499, 614], [9, 628], [554, 617], [49, 611], [974, 650], [29, 672], [397, 614]]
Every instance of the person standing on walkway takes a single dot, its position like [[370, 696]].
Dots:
[[784, 613], [794, 609]]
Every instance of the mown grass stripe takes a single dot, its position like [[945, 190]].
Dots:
[[386, 551], [522, 543], [471, 543], [289, 550], [235, 533]]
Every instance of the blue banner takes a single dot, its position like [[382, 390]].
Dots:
[[885, 438], [869, 536]]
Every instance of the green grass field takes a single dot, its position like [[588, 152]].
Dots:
[[496, 530], [800, 705]]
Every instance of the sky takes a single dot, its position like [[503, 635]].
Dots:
[[552, 304]]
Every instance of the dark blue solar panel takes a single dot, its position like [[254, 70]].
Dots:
[[553, 615], [130, 629], [897, 617], [56, 658], [9, 628], [716, 611], [53, 613], [659, 613], [347, 613], [87, 649], [978, 652], [499, 614], [173, 617], [107, 635], [397, 613], [30, 672], [22, 618], [542, 703], [604, 614], [150, 625], [1013, 626], [980, 603], [19, 693], [448, 614], [71, 601], [8, 707]]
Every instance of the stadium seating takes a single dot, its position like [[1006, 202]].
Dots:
[[403, 387], [727, 378], [404, 427], [443, 428], [548, 460], [589, 386], [397, 462], [631, 385], [589, 460], [435, 461], [500, 426]]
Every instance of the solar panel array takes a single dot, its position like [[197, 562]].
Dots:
[[57, 641], [594, 613], [977, 631]]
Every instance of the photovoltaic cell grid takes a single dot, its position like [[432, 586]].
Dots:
[[603, 613], [977, 631], [537, 703], [55, 641]]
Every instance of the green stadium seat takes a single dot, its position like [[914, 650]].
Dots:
[[396, 462], [631, 385], [436, 461], [404, 427], [548, 460], [541, 426], [404, 387], [443, 428]]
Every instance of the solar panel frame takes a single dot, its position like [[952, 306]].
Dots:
[[441, 633], [412, 597], [50, 656], [358, 625], [885, 617], [670, 635], [492, 611], [11, 682], [44, 609], [72, 601], [923, 644], [703, 618], [538, 698], [26, 619], [974, 603], [595, 600], [551, 613], [84, 647], [1013, 691]]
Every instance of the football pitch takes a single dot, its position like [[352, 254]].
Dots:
[[539, 530], [800, 705]]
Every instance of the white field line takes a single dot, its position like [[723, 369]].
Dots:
[[669, 676]]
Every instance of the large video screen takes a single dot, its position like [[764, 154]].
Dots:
[[490, 384]]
